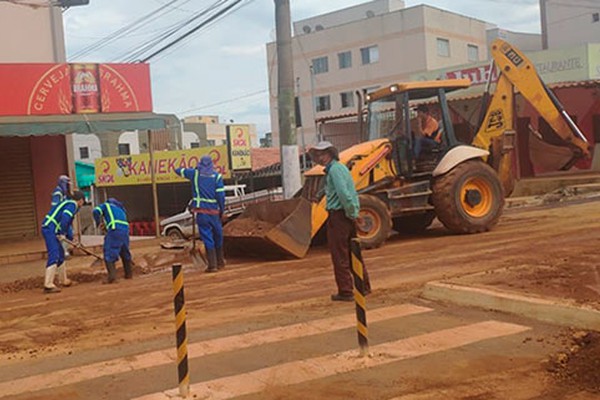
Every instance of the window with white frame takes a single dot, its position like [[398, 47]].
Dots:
[[84, 153], [369, 55], [320, 65], [472, 52], [124, 149], [345, 59], [443, 47], [323, 103], [595, 17], [347, 99]]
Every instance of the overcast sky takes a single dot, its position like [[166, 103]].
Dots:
[[222, 70]]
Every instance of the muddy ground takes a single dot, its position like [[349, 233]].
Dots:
[[549, 252]]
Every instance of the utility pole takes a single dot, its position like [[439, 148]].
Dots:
[[290, 162]]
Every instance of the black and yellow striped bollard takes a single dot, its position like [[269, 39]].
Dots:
[[359, 296], [182, 354]]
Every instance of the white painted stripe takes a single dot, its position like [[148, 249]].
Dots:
[[199, 349], [321, 367]]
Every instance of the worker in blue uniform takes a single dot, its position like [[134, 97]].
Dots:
[[112, 216], [208, 205], [56, 226], [61, 192]]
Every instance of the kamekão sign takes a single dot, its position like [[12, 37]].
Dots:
[[135, 169], [50, 89]]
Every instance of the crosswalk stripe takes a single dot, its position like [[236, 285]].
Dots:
[[199, 349], [321, 367]]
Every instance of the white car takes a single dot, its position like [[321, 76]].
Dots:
[[179, 226]]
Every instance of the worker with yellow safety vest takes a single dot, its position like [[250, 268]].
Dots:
[[56, 225], [208, 205], [112, 216]]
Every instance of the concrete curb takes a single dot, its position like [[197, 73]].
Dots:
[[554, 311]]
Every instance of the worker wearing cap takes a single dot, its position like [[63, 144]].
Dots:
[[61, 192], [113, 217], [56, 226], [343, 207], [427, 130], [208, 204]]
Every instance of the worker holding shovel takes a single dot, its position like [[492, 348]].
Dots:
[[208, 204], [56, 225], [112, 216]]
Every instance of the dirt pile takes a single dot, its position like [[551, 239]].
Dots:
[[247, 227], [579, 364]]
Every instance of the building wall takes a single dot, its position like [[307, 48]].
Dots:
[[573, 22], [406, 40], [524, 41], [358, 12], [48, 162], [27, 33], [91, 142]]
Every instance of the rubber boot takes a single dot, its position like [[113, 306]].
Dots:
[[49, 286], [211, 255], [112, 272], [220, 258], [127, 267], [62, 276]]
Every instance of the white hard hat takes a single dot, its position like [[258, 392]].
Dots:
[[324, 145]]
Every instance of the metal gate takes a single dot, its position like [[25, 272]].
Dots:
[[17, 202]]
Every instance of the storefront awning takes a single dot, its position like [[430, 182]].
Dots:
[[84, 123]]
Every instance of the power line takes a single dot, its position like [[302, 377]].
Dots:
[[226, 101], [182, 37], [148, 45], [127, 29]]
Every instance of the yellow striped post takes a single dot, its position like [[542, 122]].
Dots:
[[359, 296], [182, 354]]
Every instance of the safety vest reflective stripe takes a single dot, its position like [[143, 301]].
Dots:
[[52, 218], [112, 223], [196, 186], [69, 212], [182, 172], [221, 190]]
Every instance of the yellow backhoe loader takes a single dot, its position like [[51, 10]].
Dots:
[[462, 184]]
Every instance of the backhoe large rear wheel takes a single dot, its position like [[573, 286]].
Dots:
[[376, 222], [469, 198]]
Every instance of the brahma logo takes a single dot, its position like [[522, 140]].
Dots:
[[117, 93], [51, 89]]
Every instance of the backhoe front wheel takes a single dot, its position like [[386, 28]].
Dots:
[[376, 222], [469, 198]]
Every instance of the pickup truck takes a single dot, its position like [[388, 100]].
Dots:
[[179, 226]]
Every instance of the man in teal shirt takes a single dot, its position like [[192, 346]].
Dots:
[[343, 207]]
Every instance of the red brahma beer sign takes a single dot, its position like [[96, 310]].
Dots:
[[50, 89]]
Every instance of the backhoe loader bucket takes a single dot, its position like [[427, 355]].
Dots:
[[271, 229]]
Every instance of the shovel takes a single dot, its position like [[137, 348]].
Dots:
[[98, 261]]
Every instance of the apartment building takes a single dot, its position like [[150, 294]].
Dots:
[[361, 48], [569, 22], [208, 130]]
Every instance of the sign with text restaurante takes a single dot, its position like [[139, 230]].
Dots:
[[54, 89], [135, 169]]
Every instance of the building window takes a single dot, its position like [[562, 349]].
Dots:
[[211, 142], [320, 65], [84, 153], [473, 52], [369, 55], [345, 59], [323, 103], [124, 149], [595, 17], [347, 99], [194, 145], [443, 47]]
